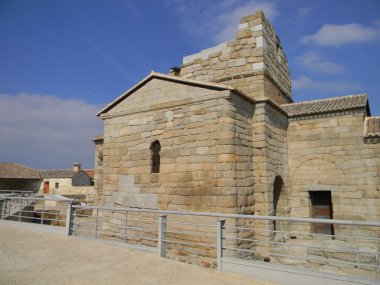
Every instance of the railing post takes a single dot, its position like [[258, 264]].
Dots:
[[96, 224], [282, 242], [43, 212], [356, 247], [21, 203], [2, 207], [126, 226], [162, 236], [9, 207], [70, 213], [219, 244]]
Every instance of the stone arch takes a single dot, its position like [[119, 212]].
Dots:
[[318, 171], [295, 164], [314, 173]]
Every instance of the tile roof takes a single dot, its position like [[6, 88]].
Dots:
[[98, 138], [59, 173], [372, 127], [18, 171], [326, 105], [90, 172], [171, 78]]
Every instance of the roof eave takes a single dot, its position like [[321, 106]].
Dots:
[[122, 96], [327, 112], [209, 85]]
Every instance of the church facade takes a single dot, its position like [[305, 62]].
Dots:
[[221, 133]]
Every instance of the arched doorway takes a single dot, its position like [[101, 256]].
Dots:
[[277, 187], [279, 199]]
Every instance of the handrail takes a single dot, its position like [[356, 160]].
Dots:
[[253, 235], [236, 216], [19, 191], [40, 198]]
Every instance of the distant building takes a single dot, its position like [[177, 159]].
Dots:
[[74, 183], [15, 176], [83, 178]]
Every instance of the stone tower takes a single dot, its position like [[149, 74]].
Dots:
[[253, 62]]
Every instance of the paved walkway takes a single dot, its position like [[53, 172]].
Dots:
[[32, 257]]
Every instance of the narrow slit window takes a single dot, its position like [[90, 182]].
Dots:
[[155, 150]]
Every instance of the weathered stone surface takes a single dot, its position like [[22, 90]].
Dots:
[[221, 152], [255, 48]]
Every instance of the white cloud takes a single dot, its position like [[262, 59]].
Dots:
[[316, 62], [217, 19], [227, 23], [47, 132], [304, 82], [337, 35]]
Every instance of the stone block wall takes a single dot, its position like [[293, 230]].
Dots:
[[98, 176], [269, 165], [197, 129], [63, 185], [65, 188], [329, 153], [253, 62], [342, 256], [206, 153]]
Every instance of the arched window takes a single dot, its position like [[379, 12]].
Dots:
[[155, 148]]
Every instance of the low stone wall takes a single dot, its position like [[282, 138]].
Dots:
[[82, 193], [341, 256], [190, 239]]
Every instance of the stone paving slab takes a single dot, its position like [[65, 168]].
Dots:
[[30, 256]]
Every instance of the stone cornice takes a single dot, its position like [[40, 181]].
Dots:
[[271, 103], [176, 79], [218, 95], [264, 72]]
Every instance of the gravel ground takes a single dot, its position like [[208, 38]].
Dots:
[[29, 256]]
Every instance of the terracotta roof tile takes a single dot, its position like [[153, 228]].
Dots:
[[326, 105], [90, 172], [60, 173], [372, 127], [18, 171]]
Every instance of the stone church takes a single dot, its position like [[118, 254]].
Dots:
[[221, 133]]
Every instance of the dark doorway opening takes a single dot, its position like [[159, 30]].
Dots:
[[322, 209]]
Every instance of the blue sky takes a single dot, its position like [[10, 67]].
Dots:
[[61, 61]]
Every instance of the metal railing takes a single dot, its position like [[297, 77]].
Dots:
[[37, 210], [210, 238], [23, 193], [205, 238]]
